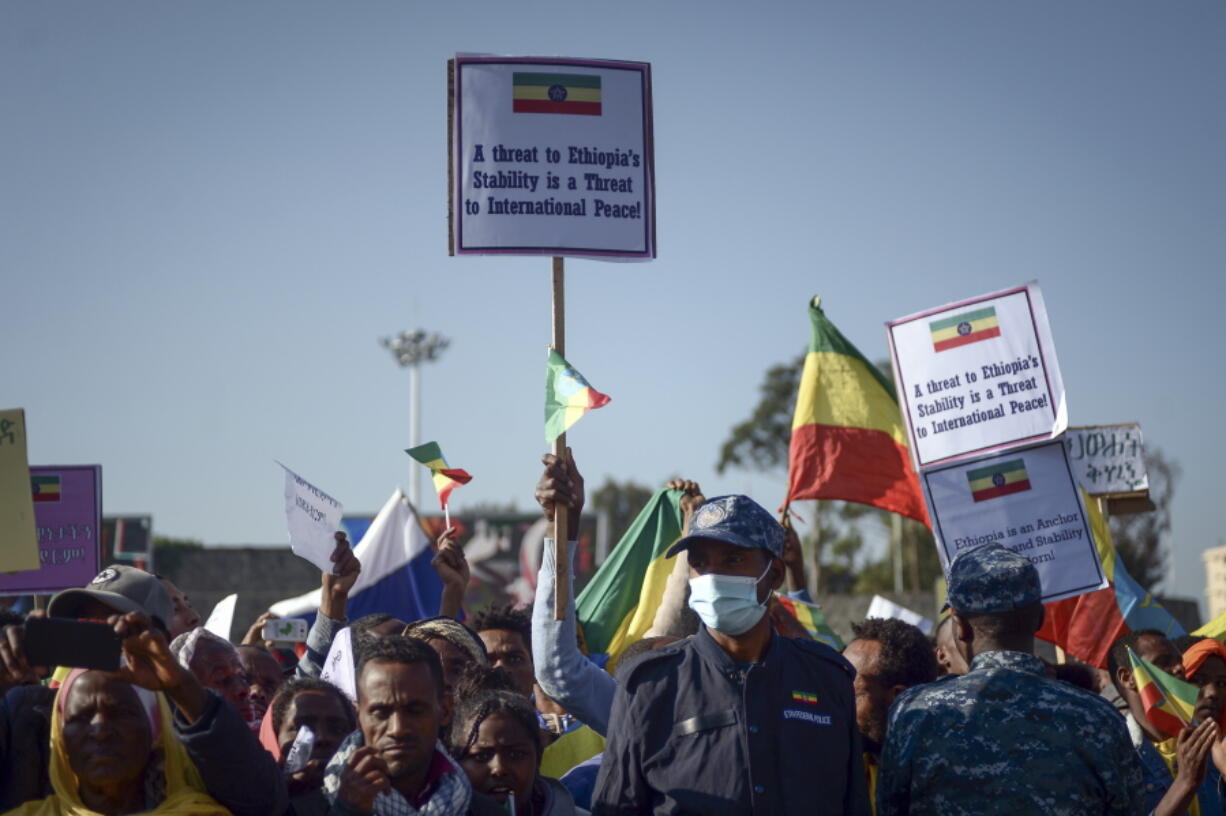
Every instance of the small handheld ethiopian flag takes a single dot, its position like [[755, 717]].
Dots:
[[1170, 703], [446, 479], [567, 396]]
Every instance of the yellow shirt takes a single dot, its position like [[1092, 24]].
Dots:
[[870, 771], [569, 750]]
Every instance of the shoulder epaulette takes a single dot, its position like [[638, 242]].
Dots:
[[640, 663], [826, 653]]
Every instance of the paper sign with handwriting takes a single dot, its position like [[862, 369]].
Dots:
[[313, 518]]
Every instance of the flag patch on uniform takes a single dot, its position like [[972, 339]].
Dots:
[[804, 697]]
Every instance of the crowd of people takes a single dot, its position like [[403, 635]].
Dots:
[[725, 706]]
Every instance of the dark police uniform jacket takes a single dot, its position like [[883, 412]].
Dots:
[[693, 732]]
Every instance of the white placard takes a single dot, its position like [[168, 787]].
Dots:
[[978, 376], [1028, 501], [881, 607], [339, 667], [313, 518], [221, 619], [552, 156], [1108, 458]]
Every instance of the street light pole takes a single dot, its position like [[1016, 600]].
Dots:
[[411, 349]]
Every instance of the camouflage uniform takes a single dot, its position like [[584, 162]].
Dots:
[[1004, 738]]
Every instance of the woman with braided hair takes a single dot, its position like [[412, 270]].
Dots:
[[497, 740]]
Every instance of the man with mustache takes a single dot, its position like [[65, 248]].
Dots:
[[394, 763]]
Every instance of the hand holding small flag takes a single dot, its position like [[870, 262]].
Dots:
[[446, 479]]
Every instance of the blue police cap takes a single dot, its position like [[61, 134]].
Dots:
[[737, 520], [991, 578]]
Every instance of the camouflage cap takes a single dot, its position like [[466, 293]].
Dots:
[[737, 520], [992, 579]]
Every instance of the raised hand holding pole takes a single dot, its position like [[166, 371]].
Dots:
[[561, 537]]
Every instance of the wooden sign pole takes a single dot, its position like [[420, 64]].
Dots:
[[561, 548]]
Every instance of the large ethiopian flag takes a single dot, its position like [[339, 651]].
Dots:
[[848, 440], [619, 604]]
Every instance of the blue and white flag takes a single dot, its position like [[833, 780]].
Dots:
[[396, 578]]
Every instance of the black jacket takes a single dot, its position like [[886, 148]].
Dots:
[[693, 732]]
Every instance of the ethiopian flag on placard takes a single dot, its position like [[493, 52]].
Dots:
[[45, 488], [1170, 703], [963, 329], [619, 604], [848, 440], [446, 479], [999, 479], [556, 93], [568, 396], [812, 619]]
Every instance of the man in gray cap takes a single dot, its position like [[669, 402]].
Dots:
[[1003, 738], [735, 719], [117, 590]]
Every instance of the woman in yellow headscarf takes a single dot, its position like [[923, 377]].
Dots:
[[114, 753]]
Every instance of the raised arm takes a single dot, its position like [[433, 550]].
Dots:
[[333, 600], [564, 673], [452, 568], [235, 768]]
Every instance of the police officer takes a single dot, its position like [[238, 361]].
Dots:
[[1003, 738], [735, 719]]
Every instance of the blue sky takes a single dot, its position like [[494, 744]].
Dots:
[[211, 211]]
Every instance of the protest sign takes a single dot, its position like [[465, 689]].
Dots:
[[978, 376], [222, 617], [551, 156], [1026, 500], [67, 520], [1108, 459], [339, 667], [313, 518], [20, 543], [881, 607]]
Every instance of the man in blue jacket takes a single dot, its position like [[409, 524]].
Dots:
[[735, 719]]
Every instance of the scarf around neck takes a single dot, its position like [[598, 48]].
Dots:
[[452, 793]]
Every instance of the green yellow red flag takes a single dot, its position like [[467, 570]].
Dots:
[[964, 329], [568, 396], [1170, 703], [811, 618], [45, 488], [998, 479], [555, 93], [848, 440], [619, 604], [446, 479]]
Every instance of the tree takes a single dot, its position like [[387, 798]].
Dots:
[[835, 545], [1140, 538]]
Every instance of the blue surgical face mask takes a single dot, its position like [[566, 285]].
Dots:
[[727, 603]]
